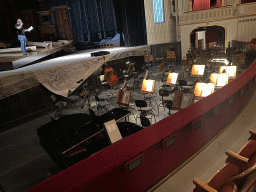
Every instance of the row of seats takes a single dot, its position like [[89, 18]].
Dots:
[[238, 173]]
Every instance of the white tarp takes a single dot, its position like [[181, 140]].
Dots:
[[114, 41], [60, 75]]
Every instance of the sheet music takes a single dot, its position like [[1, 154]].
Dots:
[[201, 70], [149, 86], [126, 97]]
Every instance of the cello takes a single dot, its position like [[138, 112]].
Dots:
[[112, 79]]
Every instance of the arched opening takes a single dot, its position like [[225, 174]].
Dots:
[[213, 3], [203, 36]]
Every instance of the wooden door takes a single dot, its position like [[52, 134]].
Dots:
[[62, 15]]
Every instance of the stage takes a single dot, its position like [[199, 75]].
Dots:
[[60, 75], [14, 60]]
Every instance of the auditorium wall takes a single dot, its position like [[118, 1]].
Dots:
[[246, 29], [158, 33]]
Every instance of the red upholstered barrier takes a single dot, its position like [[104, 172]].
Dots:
[[190, 128]]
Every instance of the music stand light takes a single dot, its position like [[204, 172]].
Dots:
[[219, 80], [230, 70], [172, 78], [148, 86], [198, 70], [203, 89]]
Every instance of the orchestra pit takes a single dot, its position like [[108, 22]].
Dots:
[[114, 113]]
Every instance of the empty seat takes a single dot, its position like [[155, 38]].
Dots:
[[219, 179]]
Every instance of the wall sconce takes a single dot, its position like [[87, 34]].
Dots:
[[148, 86], [203, 89], [198, 70], [172, 78]]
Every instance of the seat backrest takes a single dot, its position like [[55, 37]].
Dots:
[[141, 103], [182, 82], [229, 187], [144, 121], [169, 104], [163, 92], [160, 61], [148, 58], [60, 105], [53, 98], [226, 172], [248, 149], [92, 114], [162, 79]]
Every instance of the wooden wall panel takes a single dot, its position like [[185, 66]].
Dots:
[[63, 22]]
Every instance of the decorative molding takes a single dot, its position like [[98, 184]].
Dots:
[[218, 14]]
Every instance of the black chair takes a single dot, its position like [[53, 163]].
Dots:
[[163, 93], [92, 114], [101, 104], [184, 83], [164, 84], [144, 121], [169, 106], [144, 109], [101, 97], [127, 128]]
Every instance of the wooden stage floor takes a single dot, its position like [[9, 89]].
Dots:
[[16, 60]]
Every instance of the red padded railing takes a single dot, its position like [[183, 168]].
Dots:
[[192, 127]]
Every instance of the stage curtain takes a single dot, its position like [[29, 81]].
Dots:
[[218, 4], [211, 36], [201, 4]]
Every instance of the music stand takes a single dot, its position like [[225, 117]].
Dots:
[[172, 79], [124, 97], [197, 70], [203, 89], [229, 70], [219, 80], [148, 87]]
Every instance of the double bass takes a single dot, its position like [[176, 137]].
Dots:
[[113, 79]]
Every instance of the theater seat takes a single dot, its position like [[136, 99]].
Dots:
[[220, 178], [203, 187], [253, 135], [245, 158], [229, 187]]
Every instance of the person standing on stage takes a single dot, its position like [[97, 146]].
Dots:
[[21, 36]]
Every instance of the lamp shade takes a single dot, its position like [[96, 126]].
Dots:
[[147, 86], [172, 78]]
